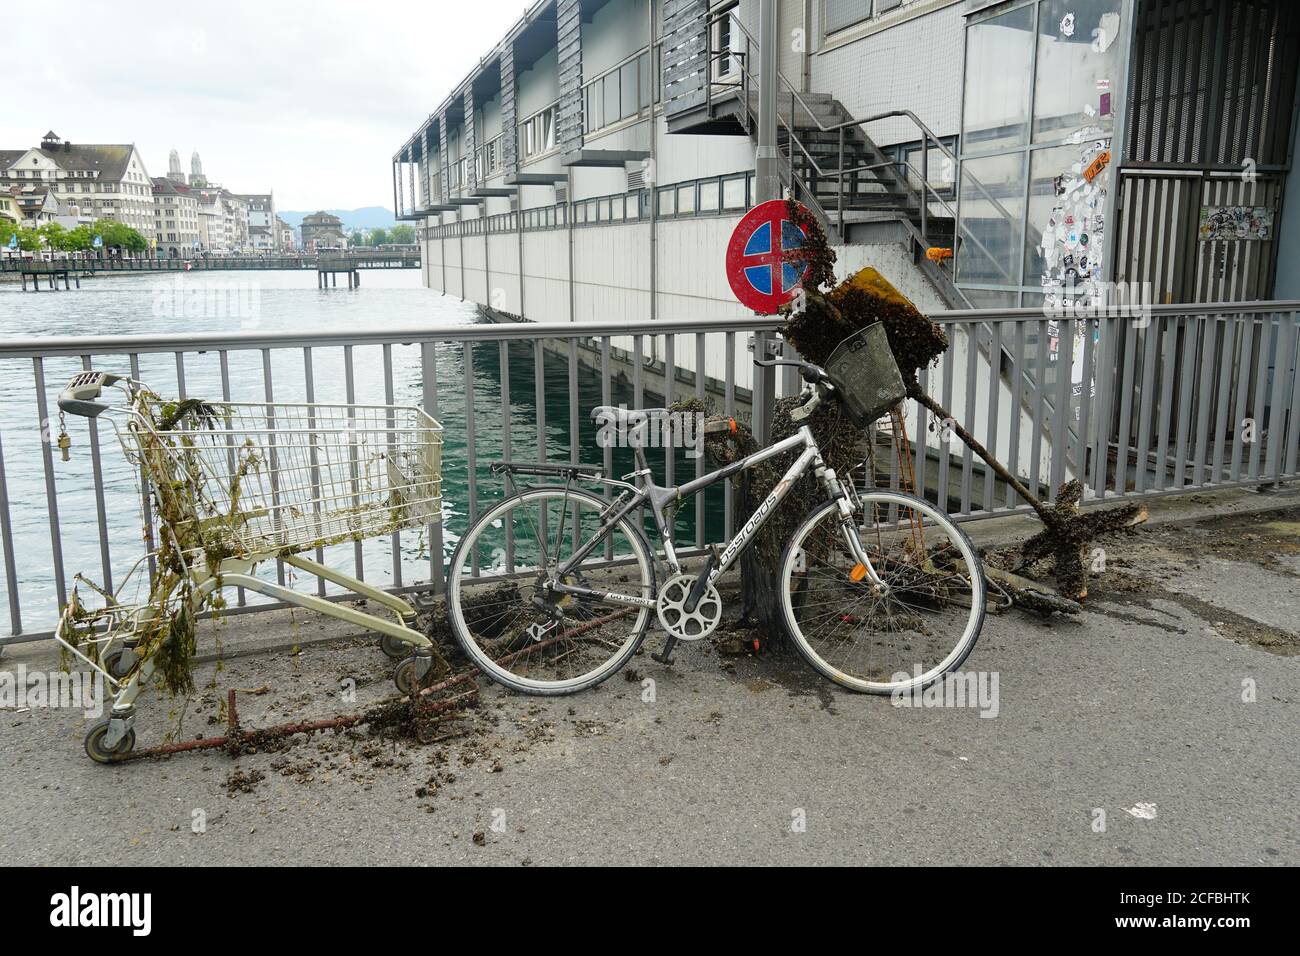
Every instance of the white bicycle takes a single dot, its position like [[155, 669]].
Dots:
[[552, 590]]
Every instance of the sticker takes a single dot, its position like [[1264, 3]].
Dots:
[[1103, 85], [1106, 32], [1083, 239], [1097, 165], [1067, 25], [1236, 222], [1105, 105]]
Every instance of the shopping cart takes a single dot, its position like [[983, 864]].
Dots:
[[232, 484]]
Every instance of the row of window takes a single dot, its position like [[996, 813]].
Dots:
[[698, 197], [841, 14], [621, 93]]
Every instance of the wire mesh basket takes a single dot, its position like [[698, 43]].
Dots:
[[284, 477], [863, 369]]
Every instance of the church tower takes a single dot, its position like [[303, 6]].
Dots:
[[196, 170], [174, 167]]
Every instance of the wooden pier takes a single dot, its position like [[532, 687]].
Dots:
[[328, 270], [54, 272]]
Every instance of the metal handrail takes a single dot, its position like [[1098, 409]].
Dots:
[[408, 335], [1112, 438]]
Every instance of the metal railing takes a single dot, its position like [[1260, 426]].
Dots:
[[728, 194], [1187, 398], [406, 256]]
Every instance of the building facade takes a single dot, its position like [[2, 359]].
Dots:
[[979, 153], [176, 220], [322, 230], [1048, 144], [223, 220], [103, 181], [261, 222], [284, 236]]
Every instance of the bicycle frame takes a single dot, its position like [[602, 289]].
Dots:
[[659, 497]]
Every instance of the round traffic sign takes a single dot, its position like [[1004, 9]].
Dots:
[[757, 268]]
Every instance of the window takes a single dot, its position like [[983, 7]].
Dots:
[[667, 201], [841, 14], [537, 133]]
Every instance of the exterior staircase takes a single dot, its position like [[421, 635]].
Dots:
[[877, 199]]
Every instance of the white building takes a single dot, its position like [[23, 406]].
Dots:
[[176, 219], [261, 221], [223, 220], [103, 181]]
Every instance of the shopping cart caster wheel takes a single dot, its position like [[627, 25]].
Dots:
[[410, 673], [98, 752], [395, 648], [119, 661]]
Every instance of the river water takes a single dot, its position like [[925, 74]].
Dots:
[[261, 301]]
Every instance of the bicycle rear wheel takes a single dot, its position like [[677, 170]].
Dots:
[[923, 627], [523, 634]]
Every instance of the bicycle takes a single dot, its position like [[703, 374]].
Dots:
[[880, 591]]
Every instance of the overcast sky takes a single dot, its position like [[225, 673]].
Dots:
[[308, 99]]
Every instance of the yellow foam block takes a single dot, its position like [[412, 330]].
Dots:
[[872, 282]]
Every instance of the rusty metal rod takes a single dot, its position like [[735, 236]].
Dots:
[[286, 730], [351, 720]]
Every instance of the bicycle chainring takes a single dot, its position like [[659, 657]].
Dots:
[[674, 618]]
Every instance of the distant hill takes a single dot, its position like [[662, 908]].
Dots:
[[367, 217]]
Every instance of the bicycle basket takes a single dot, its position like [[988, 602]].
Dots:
[[863, 369]]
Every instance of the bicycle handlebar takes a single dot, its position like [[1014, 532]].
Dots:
[[812, 374]]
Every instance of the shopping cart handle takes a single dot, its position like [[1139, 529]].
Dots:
[[75, 399]]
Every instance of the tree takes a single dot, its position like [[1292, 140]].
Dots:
[[7, 229], [79, 239], [29, 240], [379, 237], [402, 234], [357, 238], [116, 235], [55, 236]]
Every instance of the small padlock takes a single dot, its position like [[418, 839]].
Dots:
[[65, 442]]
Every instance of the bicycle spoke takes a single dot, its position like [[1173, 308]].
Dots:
[[522, 628], [874, 641]]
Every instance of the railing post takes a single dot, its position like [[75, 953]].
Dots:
[[839, 185], [925, 186], [763, 397]]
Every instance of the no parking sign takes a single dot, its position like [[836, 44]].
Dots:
[[757, 269]]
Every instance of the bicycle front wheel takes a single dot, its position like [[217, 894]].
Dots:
[[519, 630], [925, 624]]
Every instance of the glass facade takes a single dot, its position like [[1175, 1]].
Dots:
[[1037, 124]]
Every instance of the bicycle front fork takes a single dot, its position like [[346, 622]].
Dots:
[[850, 507]]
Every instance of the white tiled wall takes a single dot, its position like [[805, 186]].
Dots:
[[915, 64]]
